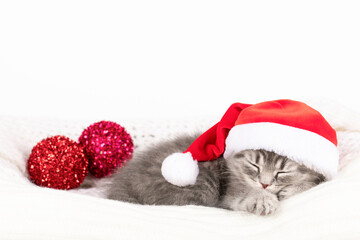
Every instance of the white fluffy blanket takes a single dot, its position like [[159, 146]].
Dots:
[[328, 211]]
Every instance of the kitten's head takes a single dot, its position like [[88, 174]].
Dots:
[[272, 172]]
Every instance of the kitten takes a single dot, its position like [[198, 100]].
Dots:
[[251, 180]]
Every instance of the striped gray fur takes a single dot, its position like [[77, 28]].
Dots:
[[236, 183]]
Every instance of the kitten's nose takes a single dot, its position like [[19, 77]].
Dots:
[[264, 185]]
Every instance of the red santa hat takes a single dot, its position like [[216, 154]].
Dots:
[[286, 127]]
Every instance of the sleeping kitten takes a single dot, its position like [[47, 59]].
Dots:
[[251, 180]]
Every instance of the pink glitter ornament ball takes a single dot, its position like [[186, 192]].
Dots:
[[57, 162], [107, 146]]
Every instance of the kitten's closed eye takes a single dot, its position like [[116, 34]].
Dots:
[[255, 166], [251, 169], [281, 174]]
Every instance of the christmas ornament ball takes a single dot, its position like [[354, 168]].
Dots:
[[107, 146], [57, 162]]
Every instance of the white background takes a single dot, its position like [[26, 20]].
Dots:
[[107, 59]]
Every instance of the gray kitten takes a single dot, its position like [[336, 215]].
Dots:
[[251, 180]]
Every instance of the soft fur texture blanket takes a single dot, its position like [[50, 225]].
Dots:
[[328, 211]]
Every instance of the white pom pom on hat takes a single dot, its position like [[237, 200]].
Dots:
[[289, 128], [180, 169]]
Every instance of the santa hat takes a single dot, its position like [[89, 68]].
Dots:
[[286, 127]]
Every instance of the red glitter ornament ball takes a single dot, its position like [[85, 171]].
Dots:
[[58, 162], [107, 146]]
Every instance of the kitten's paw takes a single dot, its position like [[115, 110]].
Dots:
[[262, 204], [281, 195], [257, 203]]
